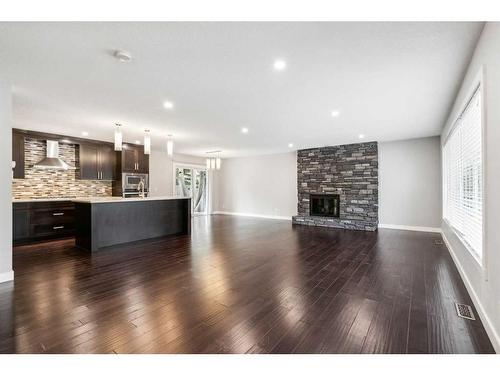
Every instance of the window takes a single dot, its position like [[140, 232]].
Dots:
[[463, 176]]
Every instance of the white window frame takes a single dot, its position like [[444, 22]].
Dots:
[[478, 82]]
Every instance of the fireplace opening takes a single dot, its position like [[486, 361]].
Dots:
[[324, 205]]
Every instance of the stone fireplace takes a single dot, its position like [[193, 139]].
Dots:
[[338, 186]]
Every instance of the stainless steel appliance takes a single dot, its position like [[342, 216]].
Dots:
[[132, 186]]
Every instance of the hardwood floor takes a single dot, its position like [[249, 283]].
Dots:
[[241, 285]]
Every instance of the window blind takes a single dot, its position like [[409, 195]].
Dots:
[[463, 176]]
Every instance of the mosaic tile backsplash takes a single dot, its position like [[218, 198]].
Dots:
[[39, 183]]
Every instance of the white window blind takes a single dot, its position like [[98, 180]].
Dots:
[[463, 176]]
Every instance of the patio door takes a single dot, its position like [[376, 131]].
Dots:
[[192, 181]]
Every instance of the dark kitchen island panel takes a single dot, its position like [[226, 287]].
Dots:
[[101, 223]]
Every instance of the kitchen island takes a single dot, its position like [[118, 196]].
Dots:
[[104, 222]]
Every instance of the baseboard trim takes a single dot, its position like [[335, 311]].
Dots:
[[6, 276], [408, 227], [289, 218], [488, 326]]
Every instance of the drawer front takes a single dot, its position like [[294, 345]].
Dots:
[[53, 229], [51, 205], [52, 216]]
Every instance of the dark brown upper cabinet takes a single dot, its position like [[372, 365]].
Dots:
[[97, 162], [134, 160], [18, 154]]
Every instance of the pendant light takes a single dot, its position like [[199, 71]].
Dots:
[[170, 145], [118, 137], [217, 161], [147, 142], [213, 160]]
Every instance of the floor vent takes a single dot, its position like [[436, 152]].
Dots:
[[464, 311], [438, 242]]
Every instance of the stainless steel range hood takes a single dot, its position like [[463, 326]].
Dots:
[[52, 161]]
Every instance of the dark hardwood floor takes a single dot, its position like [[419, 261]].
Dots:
[[240, 285]]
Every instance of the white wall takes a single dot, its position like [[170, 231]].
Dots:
[[161, 170], [6, 272], [410, 183], [261, 185], [484, 285]]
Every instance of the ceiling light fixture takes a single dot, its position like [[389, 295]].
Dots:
[[217, 161], [118, 137], [147, 142], [335, 113], [168, 105], [290, 145], [170, 145], [279, 65], [361, 136], [244, 130], [85, 134], [137, 142], [122, 56], [213, 160]]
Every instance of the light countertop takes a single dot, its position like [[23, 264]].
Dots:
[[120, 199], [28, 200], [96, 199]]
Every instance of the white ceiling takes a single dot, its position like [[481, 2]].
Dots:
[[388, 80]]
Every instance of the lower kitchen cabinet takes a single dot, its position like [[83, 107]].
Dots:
[[38, 221]]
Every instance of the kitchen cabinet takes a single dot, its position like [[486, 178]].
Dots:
[[38, 221], [97, 162], [143, 164], [133, 159], [18, 155], [107, 162], [130, 158], [20, 223]]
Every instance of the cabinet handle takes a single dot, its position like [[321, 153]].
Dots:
[[59, 227], [58, 214]]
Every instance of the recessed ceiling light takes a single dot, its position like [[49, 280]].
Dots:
[[137, 142], [335, 113], [168, 105], [65, 141], [122, 56], [361, 136], [85, 134], [244, 130], [279, 65], [290, 145]]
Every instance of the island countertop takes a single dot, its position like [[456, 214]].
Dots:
[[120, 199], [90, 199]]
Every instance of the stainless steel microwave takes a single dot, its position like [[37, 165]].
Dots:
[[131, 181]]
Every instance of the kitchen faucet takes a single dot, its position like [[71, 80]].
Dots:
[[140, 188]]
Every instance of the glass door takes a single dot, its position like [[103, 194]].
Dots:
[[192, 182], [200, 192]]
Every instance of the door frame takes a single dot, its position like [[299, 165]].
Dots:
[[176, 164]]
